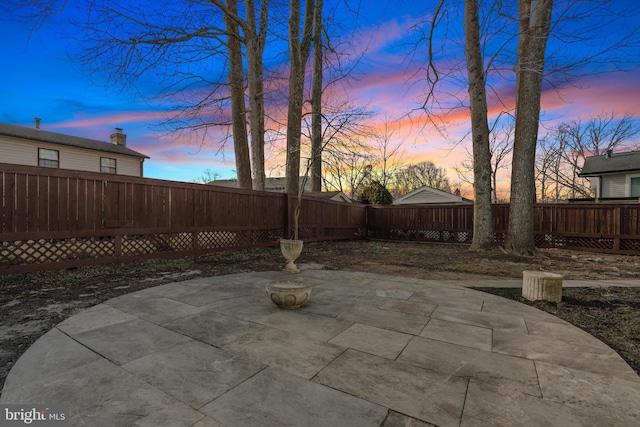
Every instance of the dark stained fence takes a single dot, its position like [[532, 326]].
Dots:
[[452, 224], [51, 219], [610, 228]]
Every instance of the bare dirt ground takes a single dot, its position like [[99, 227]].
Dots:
[[32, 304]]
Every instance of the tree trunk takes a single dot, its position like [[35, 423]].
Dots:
[[238, 110], [316, 101], [483, 230], [299, 54], [535, 22], [255, 38]]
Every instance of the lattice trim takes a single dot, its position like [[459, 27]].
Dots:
[[219, 239], [630, 245], [54, 250], [142, 244], [266, 236]]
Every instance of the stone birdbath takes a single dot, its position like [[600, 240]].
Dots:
[[288, 294]]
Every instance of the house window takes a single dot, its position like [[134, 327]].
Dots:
[[48, 158], [634, 187], [107, 165]]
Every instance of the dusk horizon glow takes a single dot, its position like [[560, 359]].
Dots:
[[39, 80]]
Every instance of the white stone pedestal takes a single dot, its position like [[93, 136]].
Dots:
[[541, 285]]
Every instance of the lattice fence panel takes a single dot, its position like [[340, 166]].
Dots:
[[544, 240], [630, 245], [500, 238], [431, 235], [219, 239], [143, 244], [589, 243], [464, 236], [266, 236], [55, 250], [343, 232], [305, 233]]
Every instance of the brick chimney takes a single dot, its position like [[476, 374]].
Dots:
[[119, 138]]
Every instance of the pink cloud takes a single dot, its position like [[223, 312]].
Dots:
[[115, 119]]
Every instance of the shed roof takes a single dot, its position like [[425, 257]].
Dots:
[[430, 196], [40, 135], [617, 162]]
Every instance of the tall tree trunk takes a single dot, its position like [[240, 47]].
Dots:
[[535, 23], [316, 101], [299, 51], [255, 38], [483, 230], [238, 110]]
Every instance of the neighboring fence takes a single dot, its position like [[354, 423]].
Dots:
[[607, 228], [611, 228], [53, 219]]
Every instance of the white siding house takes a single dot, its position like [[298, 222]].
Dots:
[[614, 175], [35, 147]]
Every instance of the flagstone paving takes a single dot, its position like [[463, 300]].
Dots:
[[366, 350]]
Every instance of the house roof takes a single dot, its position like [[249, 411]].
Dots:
[[337, 196], [270, 184], [40, 135], [430, 196], [617, 162]]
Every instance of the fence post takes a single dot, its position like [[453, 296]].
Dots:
[[117, 246], [617, 228], [286, 229]]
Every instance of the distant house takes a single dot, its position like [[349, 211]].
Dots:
[[431, 196], [613, 175], [270, 184], [36, 147], [276, 185], [336, 196]]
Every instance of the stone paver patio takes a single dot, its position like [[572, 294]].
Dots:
[[366, 350]]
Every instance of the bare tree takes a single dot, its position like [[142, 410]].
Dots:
[[483, 229], [130, 42], [316, 100], [500, 148], [388, 156], [236, 88], [535, 24], [499, 26], [344, 145], [413, 176], [255, 41], [299, 50], [348, 172], [207, 176]]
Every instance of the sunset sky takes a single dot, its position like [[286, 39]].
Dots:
[[39, 80]]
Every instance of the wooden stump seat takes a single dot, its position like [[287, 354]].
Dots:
[[541, 285]]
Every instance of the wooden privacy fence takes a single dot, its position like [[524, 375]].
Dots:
[[53, 219], [610, 228]]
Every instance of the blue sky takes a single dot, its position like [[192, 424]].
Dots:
[[39, 80]]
